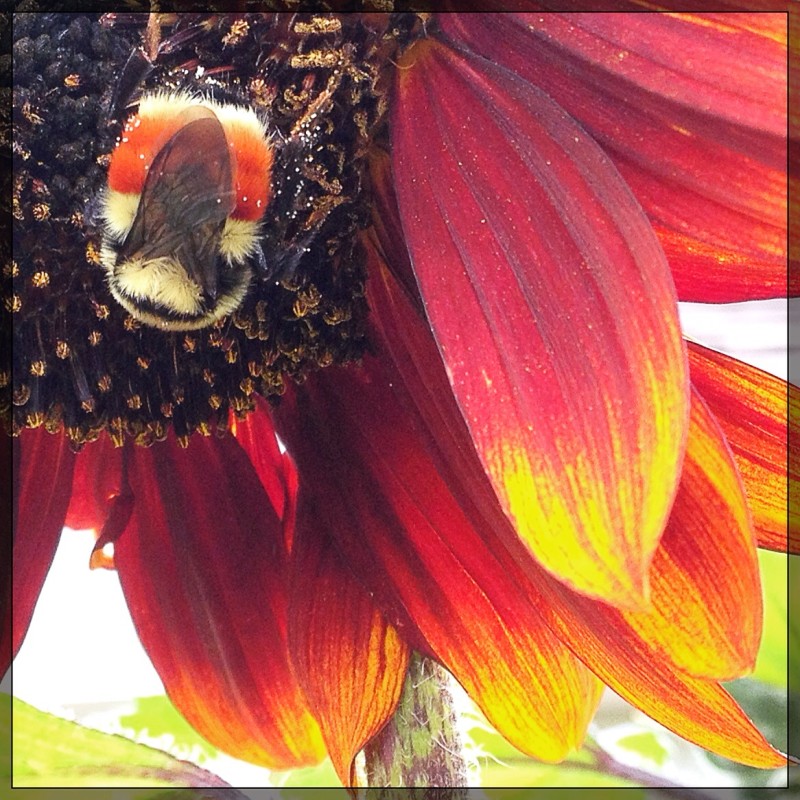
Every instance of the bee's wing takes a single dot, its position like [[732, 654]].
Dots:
[[187, 196]]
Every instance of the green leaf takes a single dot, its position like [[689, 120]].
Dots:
[[52, 752], [772, 655], [156, 716], [794, 624], [320, 775], [645, 744], [532, 775]]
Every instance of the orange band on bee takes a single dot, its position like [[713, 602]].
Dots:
[[160, 116]]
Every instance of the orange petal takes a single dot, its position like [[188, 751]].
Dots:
[[698, 710], [361, 449], [706, 607], [204, 570], [751, 408], [705, 624], [43, 468], [696, 622], [618, 651], [350, 662], [554, 311], [411, 546], [691, 108]]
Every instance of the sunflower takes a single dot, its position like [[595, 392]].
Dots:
[[463, 421]]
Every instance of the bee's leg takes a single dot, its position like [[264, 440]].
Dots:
[[260, 261], [136, 69]]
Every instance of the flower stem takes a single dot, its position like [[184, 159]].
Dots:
[[421, 745]]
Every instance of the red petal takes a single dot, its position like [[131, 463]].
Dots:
[[554, 312], [751, 407], [97, 481], [359, 449], [731, 67], [204, 571], [276, 470], [42, 484], [9, 456], [409, 543], [692, 109], [696, 622], [256, 436], [350, 662], [387, 230], [615, 648]]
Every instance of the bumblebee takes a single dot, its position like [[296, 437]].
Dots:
[[188, 185]]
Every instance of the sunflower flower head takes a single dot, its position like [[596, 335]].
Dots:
[[82, 362], [497, 450]]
